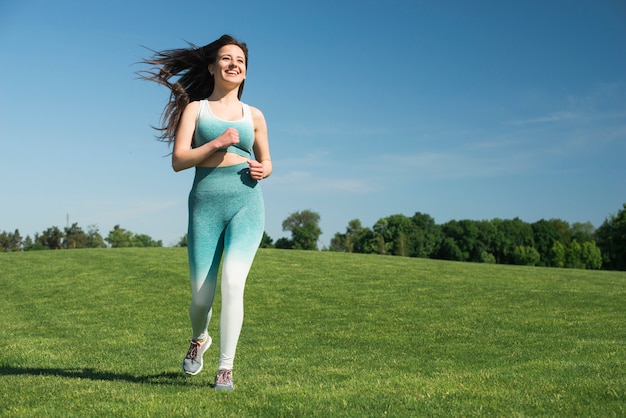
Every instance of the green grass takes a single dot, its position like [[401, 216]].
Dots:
[[103, 332]]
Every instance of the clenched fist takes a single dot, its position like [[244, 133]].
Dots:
[[228, 138], [257, 170]]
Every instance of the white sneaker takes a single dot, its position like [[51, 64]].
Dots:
[[224, 380], [192, 363]]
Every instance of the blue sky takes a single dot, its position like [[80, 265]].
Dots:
[[458, 109]]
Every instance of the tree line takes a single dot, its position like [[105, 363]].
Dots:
[[549, 243], [73, 237]]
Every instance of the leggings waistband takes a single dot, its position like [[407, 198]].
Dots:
[[223, 177]]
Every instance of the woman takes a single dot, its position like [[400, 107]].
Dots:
[[216, 133]]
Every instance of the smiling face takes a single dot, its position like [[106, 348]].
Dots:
[[230, 65]]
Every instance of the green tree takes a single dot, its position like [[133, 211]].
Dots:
[[27, 243], [611, 240], [427, 236], [380, 242], [591, 256], [11, 241], [487, 235], [475, 239], [573, 256], [557, 254], [51, 238], [449, 250], [372, 243], [74, 237], [340, 243], [143, 240], [352, 240], [565, 231], [545, 234], [284, 244], [525, 255], [398, 233], [582, 232], [354, 236], [488, 258], [93, 239], [34, 244], [462, 241], [119, 237], [266, 241], [182, 242], [305, 230], [583, 256], [512, 233]]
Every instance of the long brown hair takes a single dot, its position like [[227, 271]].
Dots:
[[191, 78]]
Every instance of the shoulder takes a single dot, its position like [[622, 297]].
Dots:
[[191, 111], [256, 113], [193, 105]]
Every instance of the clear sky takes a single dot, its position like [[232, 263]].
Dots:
[[458, 109]]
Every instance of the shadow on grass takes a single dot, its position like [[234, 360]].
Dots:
[[166, 378]]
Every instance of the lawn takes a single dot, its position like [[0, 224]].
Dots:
[[103, 332]]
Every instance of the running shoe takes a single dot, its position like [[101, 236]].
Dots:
[[192, 363], [224, 380]]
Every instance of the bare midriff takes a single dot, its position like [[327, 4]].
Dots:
[[222, 159]]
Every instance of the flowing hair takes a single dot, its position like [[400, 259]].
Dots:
[[185, 72]]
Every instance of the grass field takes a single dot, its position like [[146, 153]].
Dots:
[[103, 333]]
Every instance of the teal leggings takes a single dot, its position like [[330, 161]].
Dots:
[[226, 219]]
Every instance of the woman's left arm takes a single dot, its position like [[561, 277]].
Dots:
[[261, 167]]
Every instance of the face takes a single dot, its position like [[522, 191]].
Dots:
[[230, 65]]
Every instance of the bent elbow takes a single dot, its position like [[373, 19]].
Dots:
[[177, 164]]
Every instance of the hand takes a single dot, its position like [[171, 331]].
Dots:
[[257, 170], [228, 138]]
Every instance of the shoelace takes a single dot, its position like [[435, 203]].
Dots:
[[224, 377], [193, 350]]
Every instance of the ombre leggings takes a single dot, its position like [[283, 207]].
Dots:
[[226, 219]]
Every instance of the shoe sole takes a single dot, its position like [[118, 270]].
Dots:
[[195, 373]]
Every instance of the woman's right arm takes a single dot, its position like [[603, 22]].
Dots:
[[183, 155]]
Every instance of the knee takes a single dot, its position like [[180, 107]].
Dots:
[[233, 289], [201, 302]]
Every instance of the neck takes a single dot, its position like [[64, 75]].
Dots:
[[224, 96]]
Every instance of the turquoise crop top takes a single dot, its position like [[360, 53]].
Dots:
[[209, 127]]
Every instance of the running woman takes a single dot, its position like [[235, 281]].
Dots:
[[226, 142]]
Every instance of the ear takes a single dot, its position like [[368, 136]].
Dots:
[[211, 68]]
